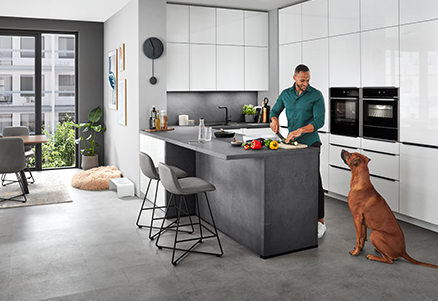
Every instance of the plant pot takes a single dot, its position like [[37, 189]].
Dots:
[[89, 162], [249, 118]]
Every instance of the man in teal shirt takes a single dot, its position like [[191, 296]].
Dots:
[[305, 112]]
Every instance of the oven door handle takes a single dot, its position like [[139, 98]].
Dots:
[[381, 99], [345, 98]]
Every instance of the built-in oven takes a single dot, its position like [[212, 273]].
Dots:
[[344, 111], [380, 112]]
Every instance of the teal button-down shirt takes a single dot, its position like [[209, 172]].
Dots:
[[301, 110]]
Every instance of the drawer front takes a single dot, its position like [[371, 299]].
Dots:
[[381, 146], [339, 180], [389, 190], [335, 155], [345, 140], [387, 166]]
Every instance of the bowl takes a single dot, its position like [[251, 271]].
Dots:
[[224, 134], [236, 143]]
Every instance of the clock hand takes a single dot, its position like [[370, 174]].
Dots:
[[152, 44]]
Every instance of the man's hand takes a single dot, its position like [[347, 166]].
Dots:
[[293, 135], [275, 126]]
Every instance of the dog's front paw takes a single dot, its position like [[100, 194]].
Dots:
[[355, 252]]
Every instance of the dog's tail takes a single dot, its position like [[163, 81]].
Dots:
[[412, 260]]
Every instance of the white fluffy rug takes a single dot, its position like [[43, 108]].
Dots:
[[96, 178]]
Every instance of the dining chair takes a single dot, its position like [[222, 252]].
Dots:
[[28, 152], [13, 161]]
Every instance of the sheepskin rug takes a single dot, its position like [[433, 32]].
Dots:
[[95, 178]]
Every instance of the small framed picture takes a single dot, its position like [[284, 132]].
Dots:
[[112, 79], [122, 87], [122, 57]]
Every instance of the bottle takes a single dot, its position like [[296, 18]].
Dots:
[[157, 122], [201, 133], [153, 117], [162, 114]]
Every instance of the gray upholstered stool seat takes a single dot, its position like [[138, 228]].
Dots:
[[183, 187], [148, 168]]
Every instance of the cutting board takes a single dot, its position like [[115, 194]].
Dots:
[[288, 146]]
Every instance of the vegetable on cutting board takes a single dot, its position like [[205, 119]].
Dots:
[[292, 142]]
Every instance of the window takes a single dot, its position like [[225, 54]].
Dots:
[[66, 47], [29, 121], [5, 120], [27, 86], [5, 50], [5, 89], [66, 85], [27, 45]]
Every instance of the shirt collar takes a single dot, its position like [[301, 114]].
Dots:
[[308, 89]]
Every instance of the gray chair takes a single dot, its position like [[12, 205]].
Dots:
[[183, 187], [13, 161], [148, 168], [28, 152]]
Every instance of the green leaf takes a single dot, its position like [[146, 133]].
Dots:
[[95, 114]]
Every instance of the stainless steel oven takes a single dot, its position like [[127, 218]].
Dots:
[[380, 112], [344, 111]]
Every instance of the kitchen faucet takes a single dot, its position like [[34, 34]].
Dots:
[[226, 114]]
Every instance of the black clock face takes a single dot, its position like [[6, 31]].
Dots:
[[153, 48]]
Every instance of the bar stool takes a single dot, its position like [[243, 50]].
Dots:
[[148, 168], [183, 187]]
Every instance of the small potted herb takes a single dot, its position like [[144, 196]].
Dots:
[[249, 112]]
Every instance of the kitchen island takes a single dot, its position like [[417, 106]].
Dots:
[[264, 199]]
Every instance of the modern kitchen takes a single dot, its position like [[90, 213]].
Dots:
[[376, 65]]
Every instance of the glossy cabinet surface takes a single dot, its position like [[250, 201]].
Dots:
[[417, 10], [289, 24], [256, 28], [339, 180], [202, 67], [178, 68], [315, 19], [418, 182], [343, 16], [418, 83], [383, 165], [229, 26], [256, 68], [378, 13], [289, 58], [324, 160], [344, 60], [202, 25], [177, 23], [380, 57], [230, 68], [389, 190]]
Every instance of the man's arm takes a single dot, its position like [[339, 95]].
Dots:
[[297, 133]]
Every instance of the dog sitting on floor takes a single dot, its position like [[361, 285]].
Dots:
[[370, 210]]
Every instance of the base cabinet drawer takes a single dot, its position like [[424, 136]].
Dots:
[[389, 190], [339, 180], [383, 165]]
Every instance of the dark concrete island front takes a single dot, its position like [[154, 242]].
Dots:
[[264, 199]]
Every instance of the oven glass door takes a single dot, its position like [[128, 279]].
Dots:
[[380, 113], [344, 116]]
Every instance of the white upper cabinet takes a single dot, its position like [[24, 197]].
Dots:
[[256, 69], [289, 58], [178, 73], [229, 26], [256, 28], [417, 10], [343, 16], [315, 56], [315, 19], [378, 13], [202, 67], [380, 57], [289, 28], [202, 25], [419, 83], [177, 23], [230, 68], [344, 60]]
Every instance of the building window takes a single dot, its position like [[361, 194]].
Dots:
[[29, 121], [66, 85], [5, 89], [27, 86], [5, 50], [66, 47], [5, 120], [27, 45]]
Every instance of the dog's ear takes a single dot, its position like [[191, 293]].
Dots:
[[355, 162]]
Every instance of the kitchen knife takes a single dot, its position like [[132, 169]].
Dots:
[[280, 136]]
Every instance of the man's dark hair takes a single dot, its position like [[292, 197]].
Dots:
[[301, 68]]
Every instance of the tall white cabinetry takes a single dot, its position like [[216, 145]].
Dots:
[[345, 60], [344, 17], [216, 49]]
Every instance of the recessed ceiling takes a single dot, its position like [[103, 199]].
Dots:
[[102, 10]]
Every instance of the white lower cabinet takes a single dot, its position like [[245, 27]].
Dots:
[[324, 159], [418, 184], [155, 148], [339, 180], [389, 190]]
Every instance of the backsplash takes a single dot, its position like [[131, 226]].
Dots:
[[205, 105]]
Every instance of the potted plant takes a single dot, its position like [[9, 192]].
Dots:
[[249, 112], [88, 133]]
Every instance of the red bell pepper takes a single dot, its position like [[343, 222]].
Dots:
[[256, 144]]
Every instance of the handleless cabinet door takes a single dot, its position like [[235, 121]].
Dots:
[[344, 17], [385, 16], [380, 57], [178, 72], [289, 58], [256, 28], [202, 25], [418, 83], [389, 190], [256, 69], [230, 68], [202, 67], [177, 23], [315, 19], [339, 180], [289, 24], [418, 10], [344, 60], [229, 26], [324, 159]]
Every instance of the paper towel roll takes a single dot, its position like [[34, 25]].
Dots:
[[183, 119]]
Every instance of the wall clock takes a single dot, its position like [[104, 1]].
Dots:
[[153, 48]]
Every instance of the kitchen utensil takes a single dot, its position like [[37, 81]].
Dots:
[[236, 143], [224, 134], [288, 146], [280, 136]]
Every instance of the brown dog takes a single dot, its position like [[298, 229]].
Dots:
[[370, 210]]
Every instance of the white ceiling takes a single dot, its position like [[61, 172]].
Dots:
[[102, 10]]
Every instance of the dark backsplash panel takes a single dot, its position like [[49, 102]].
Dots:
[[205, 104]]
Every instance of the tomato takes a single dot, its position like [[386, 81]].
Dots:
[[246, 146]]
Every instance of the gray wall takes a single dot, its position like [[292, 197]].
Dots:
[[90, 59]]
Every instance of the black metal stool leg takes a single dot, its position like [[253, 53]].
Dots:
[[214, 225], [153, 214], [164, 219], [142, 205]]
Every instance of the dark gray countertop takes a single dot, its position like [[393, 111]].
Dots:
[[186, 136]]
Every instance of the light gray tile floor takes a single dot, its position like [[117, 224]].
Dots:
[[91, 249]]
